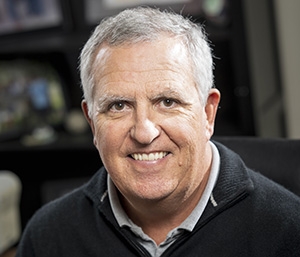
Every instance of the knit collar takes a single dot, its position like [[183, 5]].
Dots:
[[233, 184]]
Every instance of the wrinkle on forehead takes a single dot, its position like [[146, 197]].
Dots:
[[164, 51], [149, 63]]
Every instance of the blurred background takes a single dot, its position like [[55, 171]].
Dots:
[[257, 60], [254, 43]]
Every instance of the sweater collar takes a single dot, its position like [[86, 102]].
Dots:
[[233, 184]]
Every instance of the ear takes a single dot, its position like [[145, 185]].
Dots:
[[85, 109], [211, 109]]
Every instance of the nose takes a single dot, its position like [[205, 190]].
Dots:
[[144, 130]]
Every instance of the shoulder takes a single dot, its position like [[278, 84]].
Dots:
[[264, 194], [69, 208], [274, 196], [58, 211], [67, 222]]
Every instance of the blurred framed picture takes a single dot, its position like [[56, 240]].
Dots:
[[95, 10], [26, 15], [32, 95]]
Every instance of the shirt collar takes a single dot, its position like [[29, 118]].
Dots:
[[190, 222]]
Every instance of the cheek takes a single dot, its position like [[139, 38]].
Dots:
[[189, 134], [109, 137], [103, 134], [186, 129], [105, 143]]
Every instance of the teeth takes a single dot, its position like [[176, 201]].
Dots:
[[149, 157]]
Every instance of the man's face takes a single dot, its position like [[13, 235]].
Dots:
[[149, 125]]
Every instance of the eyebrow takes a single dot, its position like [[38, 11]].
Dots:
[[170, 94], [167, 93]]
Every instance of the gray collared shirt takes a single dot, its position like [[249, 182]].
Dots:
[[187, 225]]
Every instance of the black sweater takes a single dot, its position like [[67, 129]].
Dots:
[[253, 217]]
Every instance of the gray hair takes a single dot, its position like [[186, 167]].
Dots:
[[142, 24]]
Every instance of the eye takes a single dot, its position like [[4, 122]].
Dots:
[[168, 102], [117, 106]]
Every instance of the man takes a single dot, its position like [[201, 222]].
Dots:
[[165, 189]]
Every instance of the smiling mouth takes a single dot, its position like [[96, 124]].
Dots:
[[148, 157]]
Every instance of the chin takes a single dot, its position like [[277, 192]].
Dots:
[[154, 191]]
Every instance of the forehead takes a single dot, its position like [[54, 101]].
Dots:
[[166, 51], [161, 63]]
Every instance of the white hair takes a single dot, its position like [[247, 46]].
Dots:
[[143, 24]]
